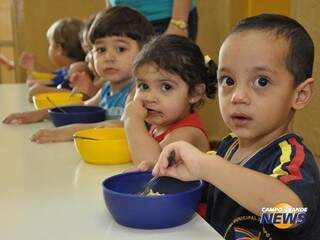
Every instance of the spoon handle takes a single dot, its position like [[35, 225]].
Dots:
[[60, 109], [171, 162], [86, 138]]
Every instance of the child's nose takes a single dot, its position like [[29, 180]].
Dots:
[[109, 56], [240, 95], [149, 97]]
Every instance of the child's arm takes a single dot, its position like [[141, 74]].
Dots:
[[29, 62], [9, 64], [30, 82], [94, 101], [80, 76], [180, 12], [26, 117], [141, 145], [144, 149], [65, 133], [245, 186]]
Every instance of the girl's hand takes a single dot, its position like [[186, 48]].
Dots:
[[25, 117], [188, 162], [50, 135], [135, 109]]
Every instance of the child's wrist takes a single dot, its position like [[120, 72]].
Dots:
[[205, 166]]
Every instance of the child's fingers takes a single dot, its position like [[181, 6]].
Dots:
[[35, 136], [144, 166], [161, 166], [7, 119], [14, 117], [42, 136]]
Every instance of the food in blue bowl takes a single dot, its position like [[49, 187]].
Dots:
[[175, 205], [76, 114]]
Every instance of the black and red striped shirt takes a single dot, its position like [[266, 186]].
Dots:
[[286, 159]]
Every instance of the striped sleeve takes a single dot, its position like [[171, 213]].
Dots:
[[292, 157], [297, 169]]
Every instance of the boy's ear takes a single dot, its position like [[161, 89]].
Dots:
[[303, 94], [59, 50], [197, 93]]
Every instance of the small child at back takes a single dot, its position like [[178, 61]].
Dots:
[[82, 75], [117, 36], [264, 77], [171, 79], [64, 49]]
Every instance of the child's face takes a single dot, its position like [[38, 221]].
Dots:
[[255, 88], [163, 94], [54, 52], [113, 58]]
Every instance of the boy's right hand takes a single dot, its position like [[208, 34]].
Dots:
[[188, 162], [25, 117], [27, 61]]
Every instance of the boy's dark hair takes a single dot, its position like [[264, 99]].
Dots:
[[124, 22], [181, 56], [65, 32], [301, 49]]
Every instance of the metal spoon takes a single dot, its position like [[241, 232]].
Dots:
[[87, 138], [150, 183], [60, 109], [73, 91]]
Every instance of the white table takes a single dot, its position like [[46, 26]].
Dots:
[[48, 192]]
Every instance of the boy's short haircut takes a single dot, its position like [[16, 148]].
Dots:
[[301, 48], [65, 32], [121, 22]]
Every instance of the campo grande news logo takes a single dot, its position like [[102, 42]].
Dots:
[[283, 215]]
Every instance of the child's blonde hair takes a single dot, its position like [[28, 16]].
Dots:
[[65, 32]]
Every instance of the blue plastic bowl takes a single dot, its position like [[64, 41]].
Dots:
[[77, 114], [128, 208]]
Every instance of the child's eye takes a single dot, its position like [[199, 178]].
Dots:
[[120, 49], [100, 50], [142, 86], [261, 82], [226, 81], [166, 87]]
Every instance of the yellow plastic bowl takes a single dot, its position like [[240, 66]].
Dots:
[[42, 75], [110, 148], [40, 101]]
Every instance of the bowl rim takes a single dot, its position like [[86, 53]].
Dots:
[[201, 184], [40, 95], [58, 112], [79, 134]]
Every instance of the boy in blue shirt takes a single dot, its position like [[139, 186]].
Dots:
[[64, 49], [264, 77], [117, 36]]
